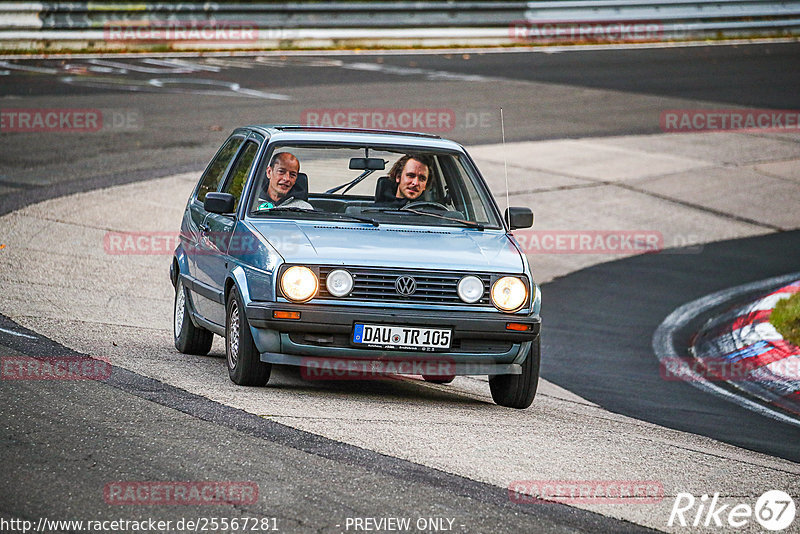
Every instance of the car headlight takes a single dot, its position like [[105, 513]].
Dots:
[[470, 289], [339, 283], [299, 283], [509, 293]]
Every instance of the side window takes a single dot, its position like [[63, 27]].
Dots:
[[240, 171], [216, 170], [466, 199]]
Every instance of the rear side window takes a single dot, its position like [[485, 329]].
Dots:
[[240, 171], [216, 170]]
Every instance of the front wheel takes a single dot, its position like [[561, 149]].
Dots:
[[244, 361], [189, 339], [518, 391]]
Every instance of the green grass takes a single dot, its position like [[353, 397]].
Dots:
[[786, 318]]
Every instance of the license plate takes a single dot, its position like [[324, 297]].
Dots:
[[401, 337]]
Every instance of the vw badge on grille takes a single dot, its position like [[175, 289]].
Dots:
[[405, 285]]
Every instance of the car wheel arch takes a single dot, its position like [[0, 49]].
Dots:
[[237, 278], [179, 265]]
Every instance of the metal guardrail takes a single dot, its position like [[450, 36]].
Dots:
[[396, 23]]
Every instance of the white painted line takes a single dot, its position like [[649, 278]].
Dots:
[[769, 302], [172, 85], [665, 351], [28, 68], [179, 63], [14, 333], [415, 71], [125, 67]]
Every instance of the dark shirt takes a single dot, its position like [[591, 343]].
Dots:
[[395, 203]]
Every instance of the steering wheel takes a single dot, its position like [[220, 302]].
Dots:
[[425, 204]]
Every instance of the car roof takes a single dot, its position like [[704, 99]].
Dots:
[[355, 135]]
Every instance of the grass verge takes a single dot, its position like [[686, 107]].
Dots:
[[786, 318]]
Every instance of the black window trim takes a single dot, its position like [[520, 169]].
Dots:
[[270, 144], [239, 153], [235, 134]]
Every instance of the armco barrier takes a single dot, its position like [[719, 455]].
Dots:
[[85, 25]]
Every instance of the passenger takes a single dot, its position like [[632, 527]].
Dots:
[[411, 173], [281, 177]]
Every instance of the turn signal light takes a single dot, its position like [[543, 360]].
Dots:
[[277, 314], [519, 327]]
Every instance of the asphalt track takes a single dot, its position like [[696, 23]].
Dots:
[[544, 96], [63, 441], [600, 320]]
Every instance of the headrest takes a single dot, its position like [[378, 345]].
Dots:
[[300, 189], [385, 189]]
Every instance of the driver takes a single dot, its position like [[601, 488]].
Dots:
[[412, 174], [281, 177]]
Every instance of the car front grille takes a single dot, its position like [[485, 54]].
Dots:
[[432, 287]]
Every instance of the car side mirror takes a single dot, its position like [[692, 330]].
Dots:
[[519, 217], [222, 203]]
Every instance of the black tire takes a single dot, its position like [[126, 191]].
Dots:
[[244, 362], [438, 379], [518, 391], [189, 339]]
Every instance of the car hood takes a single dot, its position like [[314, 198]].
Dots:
[[333, 243]]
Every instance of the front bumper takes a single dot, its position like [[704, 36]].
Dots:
[[481, 342]]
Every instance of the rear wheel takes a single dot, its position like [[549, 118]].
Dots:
[[244, 362], [189, 339], [518, 391]]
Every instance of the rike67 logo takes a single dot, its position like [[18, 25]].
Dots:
[[774, 510]]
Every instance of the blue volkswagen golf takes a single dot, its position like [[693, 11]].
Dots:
[[357, 251]]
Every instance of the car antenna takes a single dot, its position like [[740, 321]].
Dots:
[[505, 165]]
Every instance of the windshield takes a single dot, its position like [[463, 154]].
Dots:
[[374, 185]]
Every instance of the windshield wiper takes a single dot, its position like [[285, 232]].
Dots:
[[469, 224], [295, 209], [351, 184], [367, 220]]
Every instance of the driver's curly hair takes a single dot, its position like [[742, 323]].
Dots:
[[398, 166]]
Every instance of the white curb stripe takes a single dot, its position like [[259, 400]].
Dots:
[[665, 350]]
